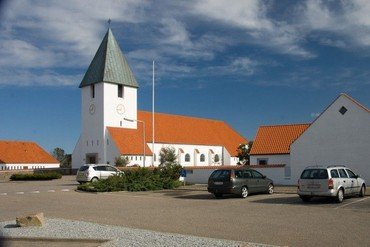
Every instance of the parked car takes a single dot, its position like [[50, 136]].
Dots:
[[241, 182], [331, 181], [92, 173]]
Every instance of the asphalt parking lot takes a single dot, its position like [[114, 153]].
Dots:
[[279, 219]]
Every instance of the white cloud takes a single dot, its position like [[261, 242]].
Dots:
[[252, 18]]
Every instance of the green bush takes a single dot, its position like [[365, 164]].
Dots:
[[141, 179], [37, 176]]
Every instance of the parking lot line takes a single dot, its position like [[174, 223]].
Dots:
[[35, 192], [19, 193], [51, 190], [3, 194], [65, 190], [345, 205]]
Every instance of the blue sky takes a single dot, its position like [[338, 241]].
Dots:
[[248, 63]]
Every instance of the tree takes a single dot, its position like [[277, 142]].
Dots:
[[121, 161], [167, 155], [64, 159], [243, 153], [58, 153]]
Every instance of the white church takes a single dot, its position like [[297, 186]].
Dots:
[[113, 127]]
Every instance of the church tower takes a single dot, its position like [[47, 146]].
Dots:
[[109, 96]]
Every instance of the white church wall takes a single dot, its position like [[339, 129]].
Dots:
[[77, 159], [116, 108]]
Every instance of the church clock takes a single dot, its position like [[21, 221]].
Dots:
[[92, 109], [120, 109]]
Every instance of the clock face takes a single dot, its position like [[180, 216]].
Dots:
[[92, 109], [120, 109]]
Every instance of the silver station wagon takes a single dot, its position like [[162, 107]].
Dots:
[[331, 181]]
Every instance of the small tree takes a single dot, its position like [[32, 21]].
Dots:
[[169, 168], [121, 161], [167, 155], [58, 153], [243, 153]]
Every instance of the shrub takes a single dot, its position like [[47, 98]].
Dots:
[[141, 179], [37, 176]]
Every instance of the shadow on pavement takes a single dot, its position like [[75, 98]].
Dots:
[[296, 200]]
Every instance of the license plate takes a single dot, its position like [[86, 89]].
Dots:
[[219, 183], [313, 186]]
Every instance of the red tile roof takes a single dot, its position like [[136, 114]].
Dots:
[[276, 139], [176, 129], [19, 152]]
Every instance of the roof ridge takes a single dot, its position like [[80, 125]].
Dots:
[[278, 125], [17, 141], [355, 101], [186, 116]]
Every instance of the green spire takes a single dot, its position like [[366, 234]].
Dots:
[[109, 65]]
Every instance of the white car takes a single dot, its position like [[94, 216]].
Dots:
[[92, 173], [330, 181]]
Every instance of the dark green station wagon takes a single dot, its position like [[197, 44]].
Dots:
[[241, 182]]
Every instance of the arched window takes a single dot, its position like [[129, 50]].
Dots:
[[217, 158], [187, 157], [202, 158]]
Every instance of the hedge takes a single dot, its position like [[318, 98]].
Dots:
[[141, 179], [37, 176]]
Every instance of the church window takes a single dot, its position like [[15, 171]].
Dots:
[[155, 157], [187, 157], [217, 158], [87, 143], [120, 91], [92, 90], [97, 142], [202, 158], [107, 141], [92, 143], [120, 123]]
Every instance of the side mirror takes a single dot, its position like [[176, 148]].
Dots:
[[357, 176], [263, 176]]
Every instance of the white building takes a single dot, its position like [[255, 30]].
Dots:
[[20, 155], [339, 136], [113, 127]]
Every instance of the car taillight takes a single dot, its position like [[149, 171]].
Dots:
[[232, 175], [87, 174], [331, 184]]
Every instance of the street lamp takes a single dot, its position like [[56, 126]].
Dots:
[[144, 144]]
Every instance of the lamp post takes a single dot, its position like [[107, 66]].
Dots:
[[139, 121]]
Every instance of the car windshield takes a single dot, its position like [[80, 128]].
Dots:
[[83, 168], [221, 174], [314, 174]]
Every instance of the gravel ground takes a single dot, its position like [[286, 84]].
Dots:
[[118, 236]]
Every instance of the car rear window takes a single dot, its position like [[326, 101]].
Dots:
[[314, 174], [221, 174], [83, 168]]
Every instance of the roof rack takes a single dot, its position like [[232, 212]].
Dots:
[[316, 166], [336, 166]]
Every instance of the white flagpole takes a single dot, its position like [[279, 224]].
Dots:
[[153, 118]]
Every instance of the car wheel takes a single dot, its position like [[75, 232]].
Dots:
[[305, 198], [362, 191], [94, 179], [340, 196], [270, 189], [218, 195], [244, 192]]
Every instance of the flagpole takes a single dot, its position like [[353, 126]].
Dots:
[[153, 118]]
